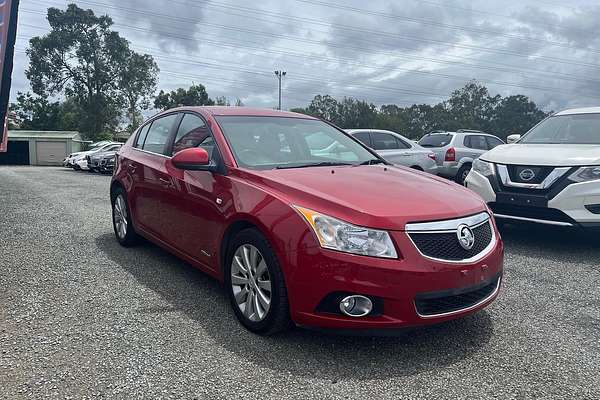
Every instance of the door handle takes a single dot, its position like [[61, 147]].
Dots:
[[405, 154]]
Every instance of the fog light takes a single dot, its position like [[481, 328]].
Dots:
[[356, 306]]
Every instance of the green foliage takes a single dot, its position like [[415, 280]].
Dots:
[[194, 96], [82, 59], [137, 84], [471, 107], [38, 113]]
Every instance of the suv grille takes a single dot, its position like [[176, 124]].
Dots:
[[445, 245], [436, 303]]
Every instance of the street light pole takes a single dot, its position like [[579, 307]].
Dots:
[[280, 75]]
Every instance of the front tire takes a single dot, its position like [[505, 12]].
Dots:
[[255, 284], [122, 221]]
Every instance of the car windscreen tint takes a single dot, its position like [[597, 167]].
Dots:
[[436, 140], [566, 129], [279, 142]]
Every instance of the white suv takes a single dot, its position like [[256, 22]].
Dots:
[[550, 176]]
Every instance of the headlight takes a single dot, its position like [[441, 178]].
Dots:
[[585, 174], [483, 167], [342, 236]]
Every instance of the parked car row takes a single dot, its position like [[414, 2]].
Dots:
[[100, 158], [447, 154]]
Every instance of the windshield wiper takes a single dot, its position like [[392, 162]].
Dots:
[[317, 164], [372, 162]]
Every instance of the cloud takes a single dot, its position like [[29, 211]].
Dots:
[[390, 52]]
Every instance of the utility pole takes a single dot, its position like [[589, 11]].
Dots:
[[280, 75]]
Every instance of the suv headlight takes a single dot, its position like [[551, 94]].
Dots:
[[585, 174], [342, 236], [483, 167]]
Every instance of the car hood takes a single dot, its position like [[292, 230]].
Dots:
[[559, 155], [384, 197]]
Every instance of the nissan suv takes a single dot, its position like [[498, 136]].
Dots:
[[456, 151], [550, 176], [328, 237]]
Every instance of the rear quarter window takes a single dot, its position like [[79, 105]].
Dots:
[[437, 140]]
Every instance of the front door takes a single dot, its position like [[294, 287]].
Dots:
[[192, 211]]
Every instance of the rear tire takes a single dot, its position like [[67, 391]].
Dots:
[[122, 221], [252, 276], [461, 176]]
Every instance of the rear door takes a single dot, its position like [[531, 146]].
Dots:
[[475, 146], [147, 165], [390, 148]]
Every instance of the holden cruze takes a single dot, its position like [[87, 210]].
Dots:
[[304, 224]]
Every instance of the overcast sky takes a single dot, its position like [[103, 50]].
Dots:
[[401, 52]]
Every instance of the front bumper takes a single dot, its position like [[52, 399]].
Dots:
[[395, 284], [83, 164], [568, 207]]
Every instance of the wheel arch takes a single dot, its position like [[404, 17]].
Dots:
[[237, 225]]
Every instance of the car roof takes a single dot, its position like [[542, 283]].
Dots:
[[585, 110], [242, 111]]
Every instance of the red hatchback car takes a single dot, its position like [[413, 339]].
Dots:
[[303, 223]]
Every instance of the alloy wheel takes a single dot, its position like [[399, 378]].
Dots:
[[120, 216], [251, 283]]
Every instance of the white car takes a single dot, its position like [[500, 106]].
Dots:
[[79, 160], [397, 149], [69, 161], [550, 176]]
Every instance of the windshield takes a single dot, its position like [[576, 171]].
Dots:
[[279, 142], [435, 140], [566, 129]]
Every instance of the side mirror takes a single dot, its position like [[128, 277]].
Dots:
[[194, 159], [513, 138]]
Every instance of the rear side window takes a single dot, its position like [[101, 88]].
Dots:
[[193, 132], [142, 136], [364, 138], [157, 136], [476, 142], [384, 141], [436, 140], [493, 142]]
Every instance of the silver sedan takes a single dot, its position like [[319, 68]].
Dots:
[[397, 149]]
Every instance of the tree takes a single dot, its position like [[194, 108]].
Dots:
[[194, 96], [516, 114], [82, 59], [222, 101], [137, 84], [37, 113], [325, 107], [472, 107], [354, 113]]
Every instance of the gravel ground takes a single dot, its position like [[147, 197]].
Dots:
[[81, 317]]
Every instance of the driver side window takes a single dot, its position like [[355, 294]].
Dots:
[[193, 132]]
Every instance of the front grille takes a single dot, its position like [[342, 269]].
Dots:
[[436, 303], [445, 245], [536, 175]]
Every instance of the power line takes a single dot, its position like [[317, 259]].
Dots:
[[371, 50], [438, 24], [378, 33], [419, 93]]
